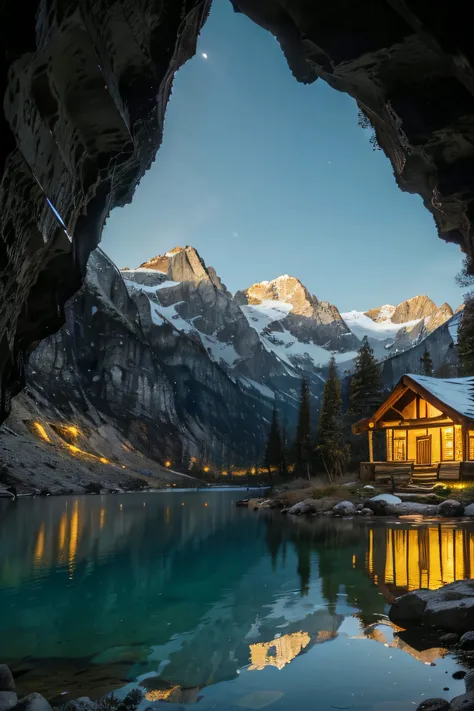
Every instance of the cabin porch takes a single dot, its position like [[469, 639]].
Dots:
[[428, 428]]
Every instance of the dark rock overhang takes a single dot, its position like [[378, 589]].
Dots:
[[85, 85]]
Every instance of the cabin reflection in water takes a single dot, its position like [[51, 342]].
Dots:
[[400, 559]]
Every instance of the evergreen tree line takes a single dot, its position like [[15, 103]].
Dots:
[[328, 449]]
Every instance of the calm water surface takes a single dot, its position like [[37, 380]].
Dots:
[[199, 601]]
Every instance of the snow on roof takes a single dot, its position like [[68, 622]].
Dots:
[[457, 393]]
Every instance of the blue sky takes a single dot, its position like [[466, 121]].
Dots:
[[265, 176]]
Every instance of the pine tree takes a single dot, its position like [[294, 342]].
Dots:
[[426, 363], [302, 444], [365, 389], [274, 455], [332, 449], [466, 337]]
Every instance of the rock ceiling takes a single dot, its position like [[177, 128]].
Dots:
[[85, 85]]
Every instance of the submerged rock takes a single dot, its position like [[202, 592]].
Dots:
[[8, 700], [450, 507], [345, 508], [6, 679]]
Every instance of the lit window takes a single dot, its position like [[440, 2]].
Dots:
[[471, 446], [448, 443], [399, 453]]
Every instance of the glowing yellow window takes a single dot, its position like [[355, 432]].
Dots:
[[399, 451], [447, 439], [471, 445]]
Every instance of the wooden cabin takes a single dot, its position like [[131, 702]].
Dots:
[[429, 431]]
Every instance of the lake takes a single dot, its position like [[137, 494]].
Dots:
[[200, 601]]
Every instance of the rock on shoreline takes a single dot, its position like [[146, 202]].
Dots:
[[450, 608]]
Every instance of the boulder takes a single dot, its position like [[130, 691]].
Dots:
[[469, 681], [345, 508], [449, 639], [409, 608], [369, 487], [434, 705], [465, 702], [456, 615], [388, 498], [33, 702], [378, 507], [467, 641], [469, 510], [6, 679], [450, 608], [302, 508], [366, 512], [408, 508], [450, 508], [8, 700]]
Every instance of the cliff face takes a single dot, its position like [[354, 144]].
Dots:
[[114, 360]]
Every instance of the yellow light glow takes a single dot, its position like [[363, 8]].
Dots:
[[371, 425], [72, 429], [354, 560], [75, 450], [62, 535], [39, 548], [205, 504], [161, 694], [102, 518], [167, 463], [224, 473], [253, 470], [123, 466], [73, 538], [41, 431], [278, 652], [206, 469]]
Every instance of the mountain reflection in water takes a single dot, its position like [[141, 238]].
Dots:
[[185, 590]]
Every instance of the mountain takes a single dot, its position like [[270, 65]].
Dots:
[[296, 326], [164, 362], [396, 328]]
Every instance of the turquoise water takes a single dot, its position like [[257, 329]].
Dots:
[[199, 601]]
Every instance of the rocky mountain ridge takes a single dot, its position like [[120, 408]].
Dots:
[[182, 371]]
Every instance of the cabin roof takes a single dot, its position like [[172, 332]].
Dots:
[[457, 393], [454, 396]]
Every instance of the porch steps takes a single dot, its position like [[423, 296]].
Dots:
[[424, 475]]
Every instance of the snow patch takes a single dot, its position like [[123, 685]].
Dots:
[[361, 325]]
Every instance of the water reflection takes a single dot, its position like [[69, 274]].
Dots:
[[100, 589]]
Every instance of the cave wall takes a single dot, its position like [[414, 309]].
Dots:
[[85, 85], [84, 88], [409, 65]]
